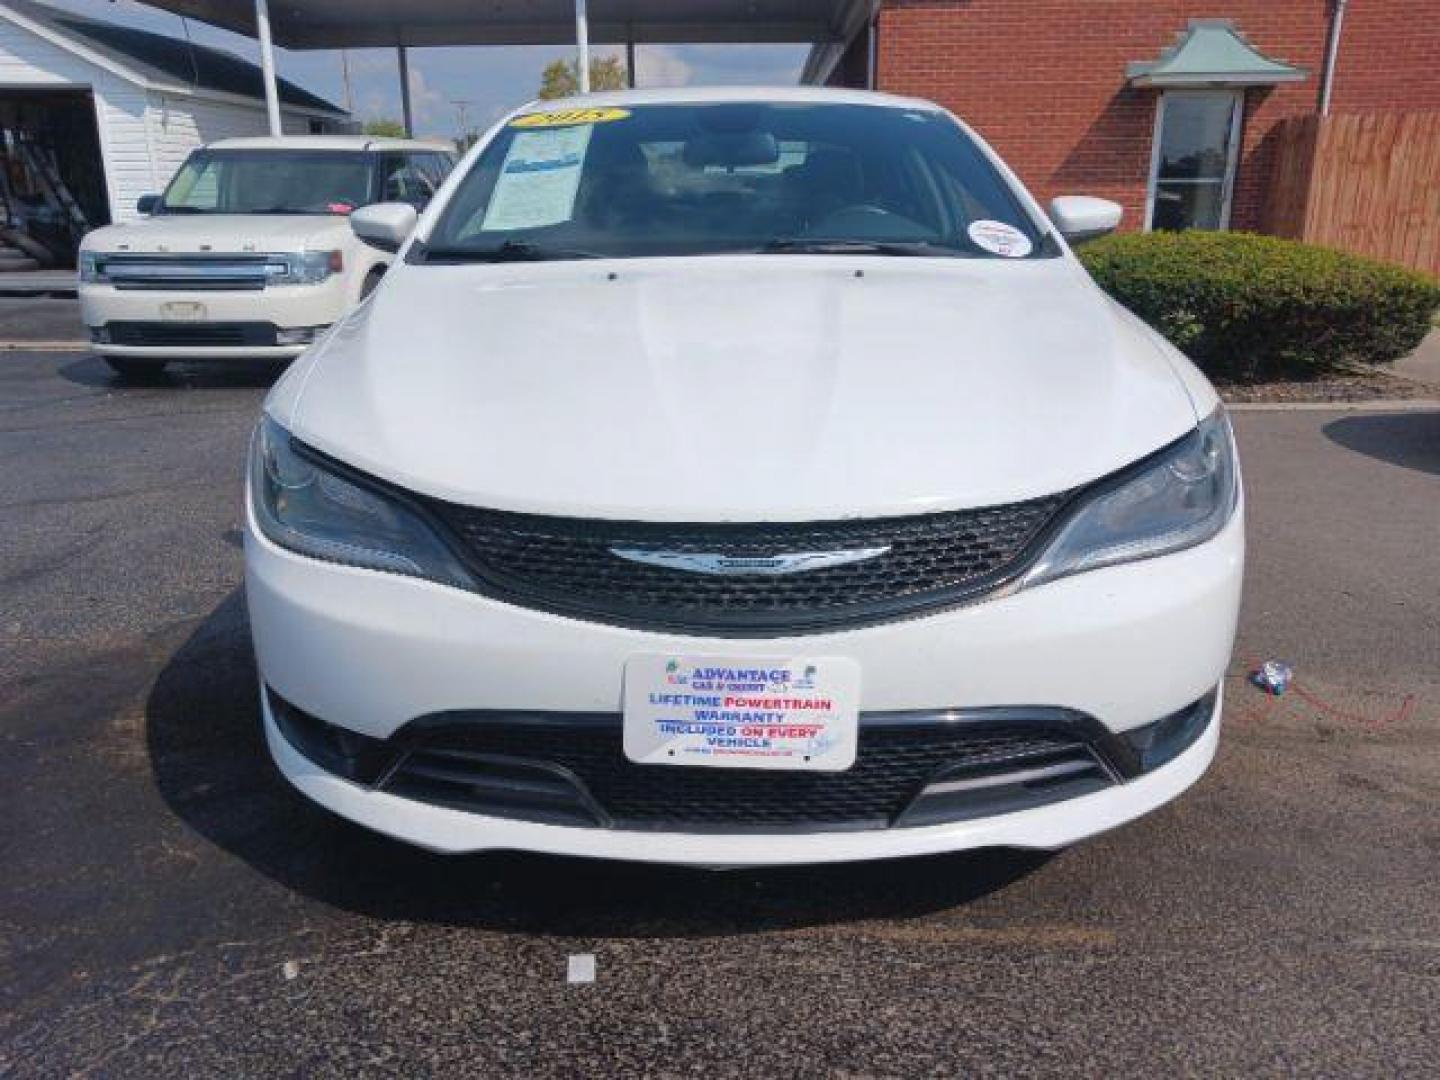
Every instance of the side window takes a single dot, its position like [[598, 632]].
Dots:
[[402, 180], [437, 167], [197, 187]]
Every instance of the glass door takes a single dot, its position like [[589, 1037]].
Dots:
[[1192, 169]]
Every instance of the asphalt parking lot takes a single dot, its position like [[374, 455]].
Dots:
[[170, 907]]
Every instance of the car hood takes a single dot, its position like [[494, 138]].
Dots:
[[735, 387], [226, 233]]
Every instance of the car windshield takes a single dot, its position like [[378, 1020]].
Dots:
[[691, 179], [270, 182]]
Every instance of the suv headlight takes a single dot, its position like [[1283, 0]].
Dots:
[[1182, 497], [304, 267], [307, 506], [90, 271]]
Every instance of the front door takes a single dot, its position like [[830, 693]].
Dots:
[[1192, 168]]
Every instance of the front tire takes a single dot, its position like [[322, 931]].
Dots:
[[136, 369]]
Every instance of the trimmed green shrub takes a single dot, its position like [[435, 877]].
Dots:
[[1250, 307]]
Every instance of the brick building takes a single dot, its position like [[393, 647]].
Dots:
[[1113, 97]]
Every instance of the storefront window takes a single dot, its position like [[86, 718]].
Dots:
[[1193, 170]]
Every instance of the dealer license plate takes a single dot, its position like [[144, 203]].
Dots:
[[182, 311], [742, 713]]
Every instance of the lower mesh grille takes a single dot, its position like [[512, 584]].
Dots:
[[577, 774], [195, 334], [912, 769]]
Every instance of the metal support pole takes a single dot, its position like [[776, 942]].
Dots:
[[1332, 56], [345, 71], [582, 44], [630, 61], [404, 57], [872, 48], [267, 65]]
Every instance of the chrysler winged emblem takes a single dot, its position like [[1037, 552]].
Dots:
[[790, 562]]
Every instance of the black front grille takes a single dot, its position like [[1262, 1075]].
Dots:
[[576, 773], [193, 334], [570, 566]]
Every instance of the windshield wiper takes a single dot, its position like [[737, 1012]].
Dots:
[[509, 251], [799, 245], [290, 210]]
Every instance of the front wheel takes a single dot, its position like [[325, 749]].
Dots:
[[136, 369]]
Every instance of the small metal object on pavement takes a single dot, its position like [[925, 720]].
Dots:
[[1273, 676]]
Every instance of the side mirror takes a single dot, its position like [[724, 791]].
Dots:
[[1083, 217], [384, 225], [146, 204]]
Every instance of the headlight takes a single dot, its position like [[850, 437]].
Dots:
[[305, 506], [304, 268], [90, 268], [1182, 498]]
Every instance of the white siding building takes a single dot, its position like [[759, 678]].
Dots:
[[153, 100]]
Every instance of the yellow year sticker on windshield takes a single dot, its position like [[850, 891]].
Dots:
[[567, 117]]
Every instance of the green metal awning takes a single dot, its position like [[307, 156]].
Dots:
[[1210, 52]]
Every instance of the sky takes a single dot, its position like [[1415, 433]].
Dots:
[[489, 81]]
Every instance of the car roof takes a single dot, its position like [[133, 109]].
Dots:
[[328, 142], [818, 95]]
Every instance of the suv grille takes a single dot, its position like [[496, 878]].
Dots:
[[569, 566], [191, 272]]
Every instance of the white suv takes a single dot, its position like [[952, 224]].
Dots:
[[734, 477], [248, 252]]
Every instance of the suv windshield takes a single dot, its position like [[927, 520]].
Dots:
[[701, 179], [270, 182]]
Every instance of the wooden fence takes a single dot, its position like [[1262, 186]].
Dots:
[[1365, 182]]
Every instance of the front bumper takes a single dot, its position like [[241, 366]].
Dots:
[[371, 651], [441, 829], [287, 307], [200, 352]]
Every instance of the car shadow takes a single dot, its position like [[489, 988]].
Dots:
[[1410, 439], [211, 765], [180, 375]]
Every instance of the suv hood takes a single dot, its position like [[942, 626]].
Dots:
[[735, 388], [223, 233]]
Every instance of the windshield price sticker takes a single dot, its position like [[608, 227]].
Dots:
[[568, 117], [742, 712], [999, 238], [539, 179]]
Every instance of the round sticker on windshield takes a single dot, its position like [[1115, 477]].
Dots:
[[1000, 239]]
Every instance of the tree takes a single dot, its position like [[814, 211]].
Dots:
[[562, 78], [381, 128]]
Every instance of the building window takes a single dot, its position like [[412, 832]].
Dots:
[[1192, 165]]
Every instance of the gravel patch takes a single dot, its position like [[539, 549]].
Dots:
[[1340, 387]]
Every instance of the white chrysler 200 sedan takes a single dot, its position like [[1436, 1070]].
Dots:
[[736, 478]]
